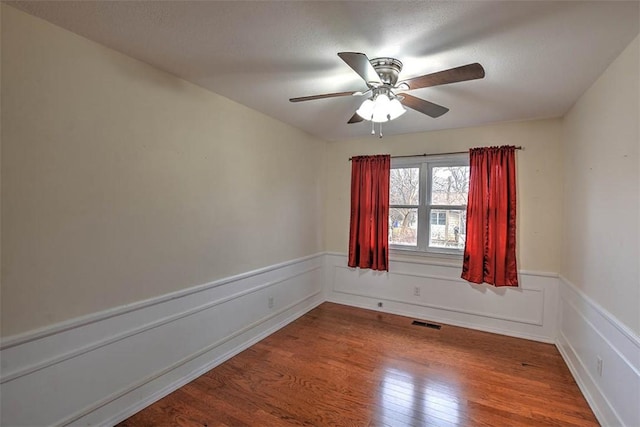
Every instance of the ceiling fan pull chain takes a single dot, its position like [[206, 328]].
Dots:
[[373, 128], [380, 131]]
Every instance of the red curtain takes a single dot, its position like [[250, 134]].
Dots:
[[490, 248], [369, 228]]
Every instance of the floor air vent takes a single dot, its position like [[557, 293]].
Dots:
[[426, 324]]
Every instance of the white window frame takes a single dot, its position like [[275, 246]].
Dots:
[[426, 164]]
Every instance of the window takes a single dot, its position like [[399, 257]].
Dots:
[[428, 203], [438, 218]]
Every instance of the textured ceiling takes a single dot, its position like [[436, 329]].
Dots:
[[539, 56]]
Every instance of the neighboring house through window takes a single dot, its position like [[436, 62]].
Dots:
[[428, 203], [438, 218]]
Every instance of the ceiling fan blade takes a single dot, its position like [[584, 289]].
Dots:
[[326, 95], [361, 65], [355, 118], [425, 107], [452, 75]]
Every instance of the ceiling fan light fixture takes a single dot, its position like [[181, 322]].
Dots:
[[381, 108], [381, 76]]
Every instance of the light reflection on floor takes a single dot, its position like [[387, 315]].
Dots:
[[419, 400]]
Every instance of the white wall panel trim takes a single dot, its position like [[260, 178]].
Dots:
[[109, 368], [138, 406], [548, 308], [611, 319], [118, 337], [529, 311], [597, 402], [217, 361], [538, 273], [455, 262], [633, 364], [74, 323], [587, 333], [425, 276], [537, 322], [462, 324]]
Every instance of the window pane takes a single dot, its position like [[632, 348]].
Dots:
[[403, 186], [450, 185], [438, 217], [442, 218], [450, 232], [403, 226]]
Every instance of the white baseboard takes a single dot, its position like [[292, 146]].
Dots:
[[99, 369], [588, 332], [525, 312]]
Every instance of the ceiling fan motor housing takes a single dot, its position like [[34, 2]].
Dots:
[[388, 69]]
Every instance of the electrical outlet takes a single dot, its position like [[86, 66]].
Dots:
[[599, 365], [416, 291], [270, 302]]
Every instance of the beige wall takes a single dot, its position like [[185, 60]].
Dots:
[[121, 182], [600, 230], [539, 176]]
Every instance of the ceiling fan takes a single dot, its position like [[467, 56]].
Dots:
[[385, 96]]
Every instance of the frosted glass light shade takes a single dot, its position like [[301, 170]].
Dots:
[[395, 109], [366, 109], [381, 109]]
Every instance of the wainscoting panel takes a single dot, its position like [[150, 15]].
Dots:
[[434, 291], [102, 368], [587, 333]]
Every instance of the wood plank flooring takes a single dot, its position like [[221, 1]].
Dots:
[[345, 366]]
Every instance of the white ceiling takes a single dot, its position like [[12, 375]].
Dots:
[[539, 56]]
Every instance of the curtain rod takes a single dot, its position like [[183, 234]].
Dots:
[[435, 154]]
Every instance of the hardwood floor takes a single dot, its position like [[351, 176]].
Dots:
[[345, 366]]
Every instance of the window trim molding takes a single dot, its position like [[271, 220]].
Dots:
[[425, 165]]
